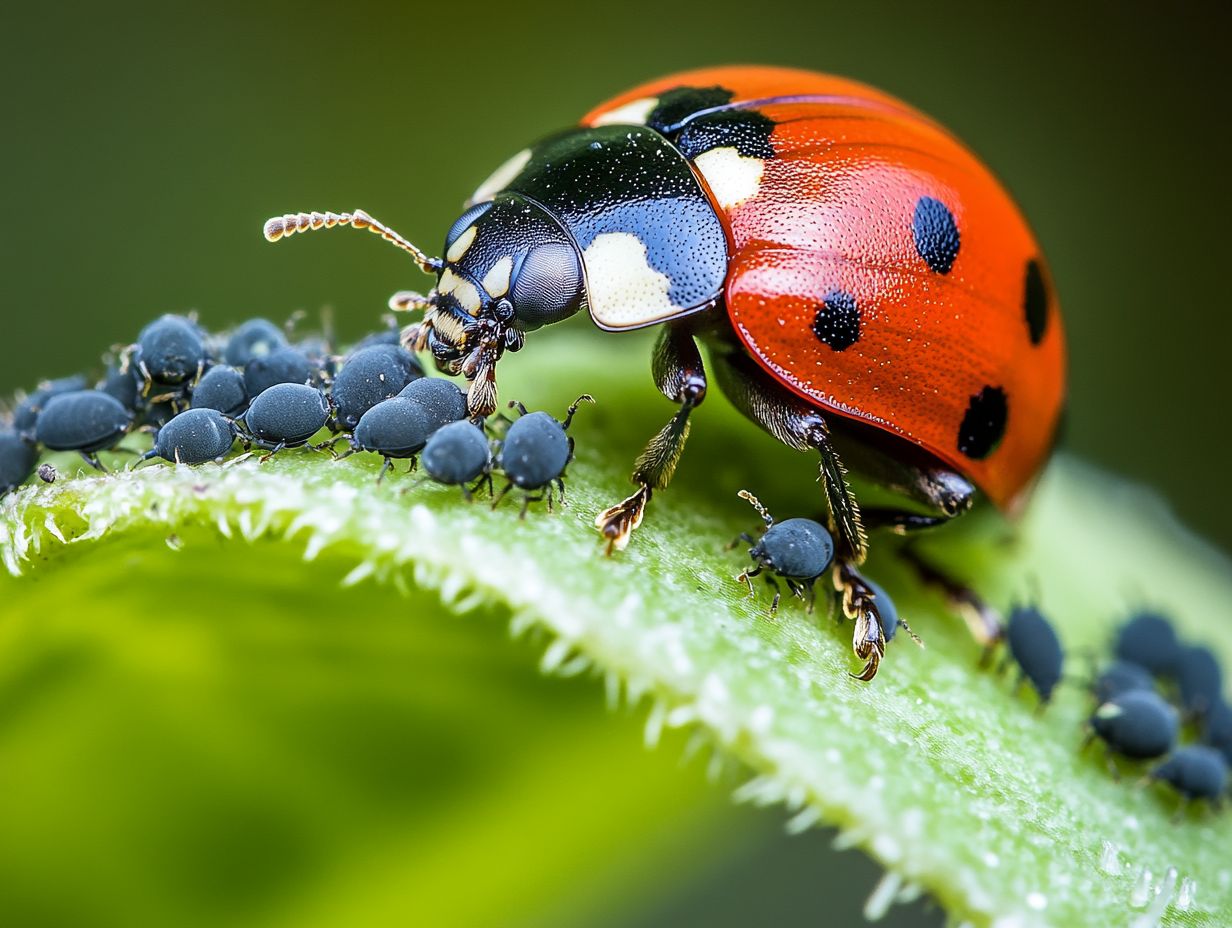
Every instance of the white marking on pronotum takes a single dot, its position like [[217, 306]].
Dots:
[[732, 177], [501, 177], [460, 244], [463, 291], [882, 897], [496, 281], [624, 290], [635, 112]]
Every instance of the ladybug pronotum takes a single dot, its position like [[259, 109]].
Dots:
[[865, 287]]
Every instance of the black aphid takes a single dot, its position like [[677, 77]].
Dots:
[[1195, 771], [169, 352], [88, 421], [253, 339], [1137, 724], [1036, 649], [457, 454], [534, 454], [393, 428], [222, 388], [369, 376], [441, 400], [1121, 677], [797, 550], [887, 612], [25, 416], [1199, 679], [1217, 729], [286, 415], [124, 385], [17, 458], [1149, 640], [282, 365], [195, 436]]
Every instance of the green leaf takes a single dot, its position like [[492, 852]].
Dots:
[[192, 619]]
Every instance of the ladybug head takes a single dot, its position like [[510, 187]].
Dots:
[[509, 268]]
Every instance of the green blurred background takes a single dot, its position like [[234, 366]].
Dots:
[[144, 146]]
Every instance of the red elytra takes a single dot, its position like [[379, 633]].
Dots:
[[832, 212]]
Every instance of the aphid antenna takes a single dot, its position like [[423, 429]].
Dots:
[[280, 227], [569, 413], [756, 504], [910, 634]]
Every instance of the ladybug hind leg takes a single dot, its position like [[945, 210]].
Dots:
[[681, 377]]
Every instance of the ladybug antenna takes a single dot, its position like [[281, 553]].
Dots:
[[756, 504], [281, 226]]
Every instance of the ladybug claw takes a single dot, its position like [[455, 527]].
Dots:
[[618, 523]]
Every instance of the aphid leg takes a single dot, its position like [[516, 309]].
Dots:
[[569, 413], [384, 468], [281, 446], [742, 537], [501, 495], [146, 380], [746, 577], [560, 487], [93, 461], [681, 377], [796, 589], [519, 406], [527, 499], [778, 594]]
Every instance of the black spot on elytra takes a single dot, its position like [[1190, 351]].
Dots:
[[1035, 302], [837, 322], [935, 233], [983, 425], [682, 102], [747, 131]]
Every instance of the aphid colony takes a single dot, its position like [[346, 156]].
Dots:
[[1132, 717], [200, 393]]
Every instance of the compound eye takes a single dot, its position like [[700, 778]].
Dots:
[[549, 285], [465, 221]]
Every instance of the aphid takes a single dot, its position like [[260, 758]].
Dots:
[[797, 223], [393, 428], [887, 612], [369, 376], [1149, 640], [457, 454], [195, 436], [47, 473], [534, 454], [797, 550], [1121, 677], [1195, 771], [1199, 679], [169, 352], [282, 365], [222, 388], [17, 457], [124, 385], [286, 415], [253, 339], [86, 421], [1036, 649], [25, 416], [1217, 729], [1137, 724], [441, 400]]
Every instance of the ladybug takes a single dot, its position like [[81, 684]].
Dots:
[[866, 289]]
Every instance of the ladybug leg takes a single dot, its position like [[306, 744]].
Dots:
[[983, 621], [681, 377]]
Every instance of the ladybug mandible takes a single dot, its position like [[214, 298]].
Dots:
[[865, 287]]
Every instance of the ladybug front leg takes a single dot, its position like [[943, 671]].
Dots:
[[681, 377]]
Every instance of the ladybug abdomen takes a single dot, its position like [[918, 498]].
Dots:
[[878, 268]]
